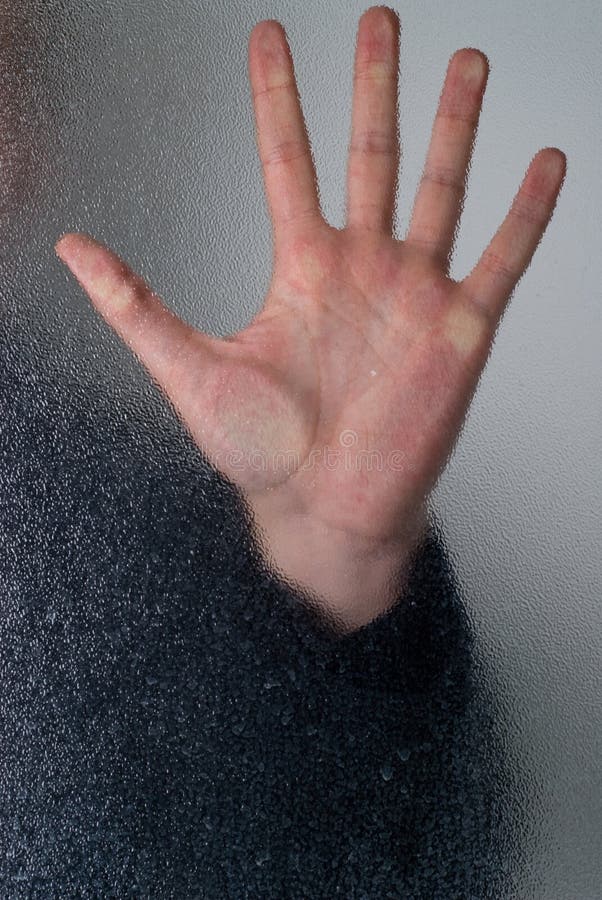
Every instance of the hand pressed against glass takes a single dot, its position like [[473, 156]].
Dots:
[[336, 409]]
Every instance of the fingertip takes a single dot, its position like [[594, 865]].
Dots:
[[378, 31], [62, 243], [472, 64], [70, 242], [265, 33], [555, 160], [384, 17], [548, 170]]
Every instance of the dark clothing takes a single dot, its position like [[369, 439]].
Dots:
[[176, 723]]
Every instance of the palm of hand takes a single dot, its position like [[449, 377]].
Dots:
[[348, 390], [339, 404]]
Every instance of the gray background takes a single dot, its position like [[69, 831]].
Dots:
[[132, 121]]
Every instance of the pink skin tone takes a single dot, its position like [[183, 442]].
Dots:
[[364, 343]]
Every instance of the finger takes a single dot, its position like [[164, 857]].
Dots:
[[172, 351], [284, 148], [373, 163], [508, 254], [440, 195]]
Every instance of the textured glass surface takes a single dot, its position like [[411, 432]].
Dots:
[[155, 681]]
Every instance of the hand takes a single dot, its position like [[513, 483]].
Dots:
[[337, 408]]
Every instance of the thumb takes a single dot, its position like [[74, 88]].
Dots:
[[176, 355]]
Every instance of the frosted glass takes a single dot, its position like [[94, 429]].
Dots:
[[126, 577]]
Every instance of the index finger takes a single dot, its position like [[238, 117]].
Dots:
[[284, 148]]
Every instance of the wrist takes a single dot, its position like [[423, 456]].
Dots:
[[352, 577]]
